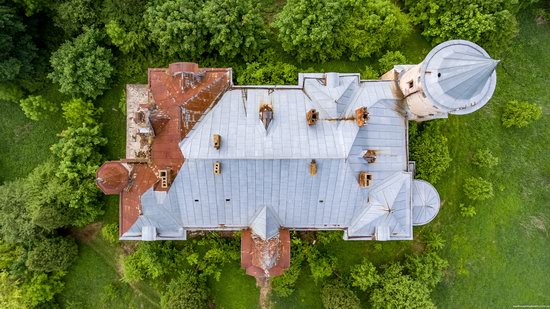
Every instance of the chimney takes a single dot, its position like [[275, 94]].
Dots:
[[266, 115], [312, 116], [361, 116], [313, 168], [217, 139], [365, 179]]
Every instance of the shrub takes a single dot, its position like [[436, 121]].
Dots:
[[277, 73], [78, 112], [484, 158], [36, 107], [110, 232], [10, 92], [321, 267], [467, 211], [42, 288], [487, 22], [429, 150], [186, 291], [81, 67], [397, 290], [151, 260], [364, 275], [520, 114], [427, 268], [477, 188], [319, 30], [52, 255], [369, 73], [283, 285], [434, 242], [336, 295], [390, 59]]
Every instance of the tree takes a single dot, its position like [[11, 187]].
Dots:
[[125, 25], [187, 291], [427, 268], [193, 28], [78, 155], [487, 22], [151, 260], [81, 67], [520, 114], [364, 275], [75, 15], [49, 198], [15, 221], [373, 26], [430, 151], [17, 51], [78, 112], [41, 288], [277, 73], [397, 290], [235, 27], [36, 107], [477, 188], [485, 158], [336, 295], [52, 255], [319, 30], [10, 293]]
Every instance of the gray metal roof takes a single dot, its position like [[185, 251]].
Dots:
[[265, 181], [425, 202], [458, 76]]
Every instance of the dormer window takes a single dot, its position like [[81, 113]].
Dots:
[[361, 116], [266, 115], [370, 156], [312, 116]]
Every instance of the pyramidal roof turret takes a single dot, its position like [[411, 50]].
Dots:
[[459, 76]]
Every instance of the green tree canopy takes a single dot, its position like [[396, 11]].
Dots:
[[278, 73], [187, 291], [52, 254], [193, 28], [487, 22], [319, 30], [81, 67], [430, 152], [399, 291], [15, 221], [427, 268], [125, 25], [336, 295], [17, 50], [364, 275], [37, 107]]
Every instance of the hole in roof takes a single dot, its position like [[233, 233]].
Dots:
[[438, 74], [227, 199], [197, 201], [320, 201]]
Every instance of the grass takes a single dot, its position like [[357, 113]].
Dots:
[[235, 290]]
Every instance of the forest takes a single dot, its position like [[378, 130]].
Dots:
[[63, 70]]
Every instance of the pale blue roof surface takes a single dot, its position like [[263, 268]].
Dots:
[[267, 171]]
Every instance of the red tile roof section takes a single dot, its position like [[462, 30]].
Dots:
[[252, 253], [171, 91]]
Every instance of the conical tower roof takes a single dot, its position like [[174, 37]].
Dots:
[[459, 76]]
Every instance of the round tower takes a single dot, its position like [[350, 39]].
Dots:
[[456, 77]]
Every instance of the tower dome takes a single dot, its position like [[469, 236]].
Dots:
[[458, 76]]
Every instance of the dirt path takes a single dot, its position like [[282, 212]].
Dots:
[[265, 293]]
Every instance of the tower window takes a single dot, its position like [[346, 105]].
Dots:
[[411, 84]]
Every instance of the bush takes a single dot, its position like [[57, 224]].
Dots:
[[489, 23], [426, 268], [429, 150], [10, 92], [364, 275], [484, 158], [52, 255], [320, 30], [467, 211], [477, 188], [278, 73], [36, 107], [81, 67], [321, 267], [520, 114], [283, 286], [42, 288], [397, 290], [78, 112], [389, 60], [434, 242], [110, 232], [335, 295], [185, 292], [151, 260], [369, 73]]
